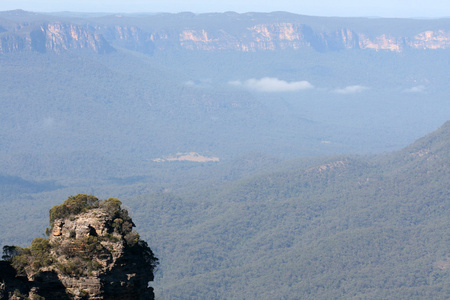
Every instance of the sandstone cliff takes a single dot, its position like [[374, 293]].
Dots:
[[21, 31], [294, 36], [219, 32], [91, 253]]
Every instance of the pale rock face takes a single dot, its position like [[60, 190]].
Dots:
[[119, 272], [281, 36], [431, 40], [272, 37], [382, 42], [53, 37], [92, 223], [195, 36], [251, 36], [57, 228], [60, 36]]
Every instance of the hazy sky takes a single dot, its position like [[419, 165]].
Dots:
[[381, 8]]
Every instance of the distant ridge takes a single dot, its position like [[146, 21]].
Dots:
[[249, 32], [431, 152], [438, 141]]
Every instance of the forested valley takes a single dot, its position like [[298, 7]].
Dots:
[[310, 166]]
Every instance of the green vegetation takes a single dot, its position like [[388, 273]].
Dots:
[[85, 248], [256, 224], [20, 260], [121, 220], [72, 206], [40, 250], [81, 203], [34, 257], [333, 227], [345, 227], [81, 256]]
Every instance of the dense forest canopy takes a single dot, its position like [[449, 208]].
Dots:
[[259, 154]]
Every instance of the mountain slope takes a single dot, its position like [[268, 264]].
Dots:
[[346, 228]]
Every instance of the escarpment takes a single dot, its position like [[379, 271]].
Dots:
[[91, 253], [22, 31]]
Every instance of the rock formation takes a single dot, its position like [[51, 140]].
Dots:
[[91, 253], [249, 32]]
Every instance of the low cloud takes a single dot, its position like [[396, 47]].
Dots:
[[201, 83], [415, 89], [269, 84], [352, 89]]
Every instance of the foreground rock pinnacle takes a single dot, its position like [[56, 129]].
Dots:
[[91, 253]]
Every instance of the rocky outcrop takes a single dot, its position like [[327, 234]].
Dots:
[[91, 253]]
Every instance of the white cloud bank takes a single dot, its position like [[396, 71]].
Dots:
[[415, 89], [352, 89], [269, 84]]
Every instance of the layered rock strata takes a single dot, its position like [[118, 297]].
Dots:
[[219, 32]]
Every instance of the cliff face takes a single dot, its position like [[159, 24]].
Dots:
[[276, 31], [51, 37], [270, 37], [281, 36], [219, 32], [91, 254]]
